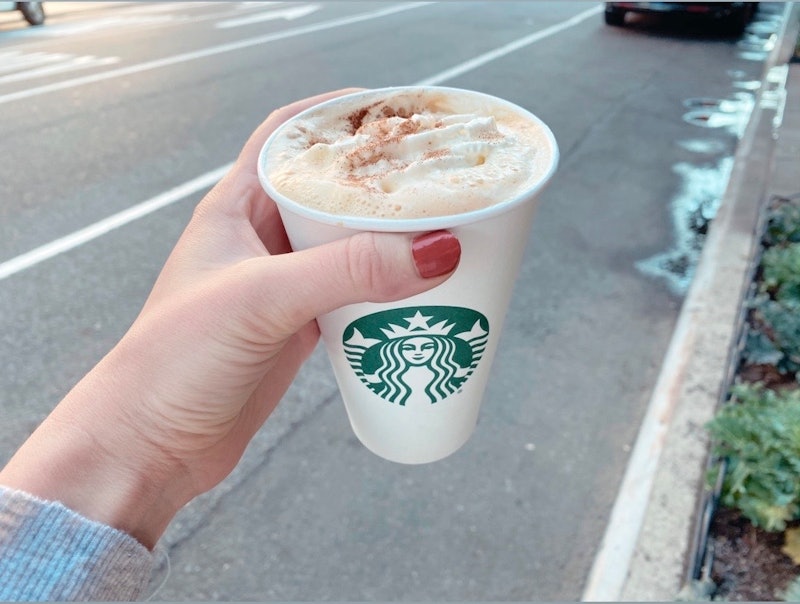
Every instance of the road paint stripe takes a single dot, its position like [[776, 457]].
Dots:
[[497, 53], [289, 13], [93, 231], [12, 61], [143, 15], [73, 64], [64, 244], [208, 52]]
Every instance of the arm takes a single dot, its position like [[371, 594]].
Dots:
[[167, 414]]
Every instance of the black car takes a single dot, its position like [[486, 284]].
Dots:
[[731, 15]]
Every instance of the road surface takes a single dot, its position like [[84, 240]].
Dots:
[[115, 119]]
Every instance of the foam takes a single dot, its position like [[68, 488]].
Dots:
[[407, 154]]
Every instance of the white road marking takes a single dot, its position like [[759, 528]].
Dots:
[[70, 64], [87, 234], [290, 13], [79, 28], [258, 4], [140, 15], [207, 52], [95, 230], [508, 48], [12, 61], [163, 7]]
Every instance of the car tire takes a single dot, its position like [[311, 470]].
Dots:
[[32, 11], [615, 17]]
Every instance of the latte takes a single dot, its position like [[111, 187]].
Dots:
[[408, 153]]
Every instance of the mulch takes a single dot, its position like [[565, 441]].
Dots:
[[748, 564]]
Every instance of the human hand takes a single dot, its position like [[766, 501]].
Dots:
[[169, 411]]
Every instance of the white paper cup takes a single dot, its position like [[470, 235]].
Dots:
[[421, 408]]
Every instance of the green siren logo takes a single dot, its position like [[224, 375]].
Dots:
[[417, 355]]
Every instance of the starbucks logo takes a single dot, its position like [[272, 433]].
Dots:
[[417, 355]]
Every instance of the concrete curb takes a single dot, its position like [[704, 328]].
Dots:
[[646, 547]]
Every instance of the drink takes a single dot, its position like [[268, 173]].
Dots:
[[412, 373], [408, 154]]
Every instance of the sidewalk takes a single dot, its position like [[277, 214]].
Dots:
[[650, 540]]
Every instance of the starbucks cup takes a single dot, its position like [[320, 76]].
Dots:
[[412, 373]]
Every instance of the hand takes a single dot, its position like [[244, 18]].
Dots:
[[168, 412]]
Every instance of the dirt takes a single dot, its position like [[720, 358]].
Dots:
[[767, 375], [748, 562]]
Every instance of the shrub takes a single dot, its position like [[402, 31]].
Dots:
[[758, 434], [782, 221], [774, 334], [780, 267], [774, 337]]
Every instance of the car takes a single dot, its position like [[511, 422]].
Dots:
[[731, 15], [32, 11]]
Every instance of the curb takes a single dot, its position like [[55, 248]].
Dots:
[[645, 551]]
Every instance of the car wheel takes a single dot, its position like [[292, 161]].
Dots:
[[615, 17], [32, 11]]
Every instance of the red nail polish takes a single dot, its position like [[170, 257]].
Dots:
[[435, 253]]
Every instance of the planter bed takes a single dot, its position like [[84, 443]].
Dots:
[[740, 545]]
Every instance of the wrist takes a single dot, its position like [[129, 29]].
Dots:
[[110, 475]]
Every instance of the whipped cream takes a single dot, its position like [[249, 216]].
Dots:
[[407, 154]]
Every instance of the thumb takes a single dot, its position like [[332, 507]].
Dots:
[[367, 267]]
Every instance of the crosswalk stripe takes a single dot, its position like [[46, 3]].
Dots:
[[13, 61], [71, 64]]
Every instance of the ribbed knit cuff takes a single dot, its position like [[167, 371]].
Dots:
[[49, 552]]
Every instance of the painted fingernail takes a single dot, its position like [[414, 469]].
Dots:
[[435, 253]]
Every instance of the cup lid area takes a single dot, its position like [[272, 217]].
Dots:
[[388, 224]]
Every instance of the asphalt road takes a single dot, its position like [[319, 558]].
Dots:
[[108, 107]]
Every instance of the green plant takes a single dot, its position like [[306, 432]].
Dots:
[[774, 335], [782, 221], [780, 267], [792, 593], [758, 434]]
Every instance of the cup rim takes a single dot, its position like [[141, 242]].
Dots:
[[364, 223]]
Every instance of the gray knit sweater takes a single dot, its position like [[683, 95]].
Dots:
[[48, 552]]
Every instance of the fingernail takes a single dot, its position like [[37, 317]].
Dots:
[[435, 253]]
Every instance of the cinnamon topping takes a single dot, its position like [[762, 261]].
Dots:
[[356, 118], [407, 155]]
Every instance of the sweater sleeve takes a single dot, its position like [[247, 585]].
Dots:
[[49, 552]]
